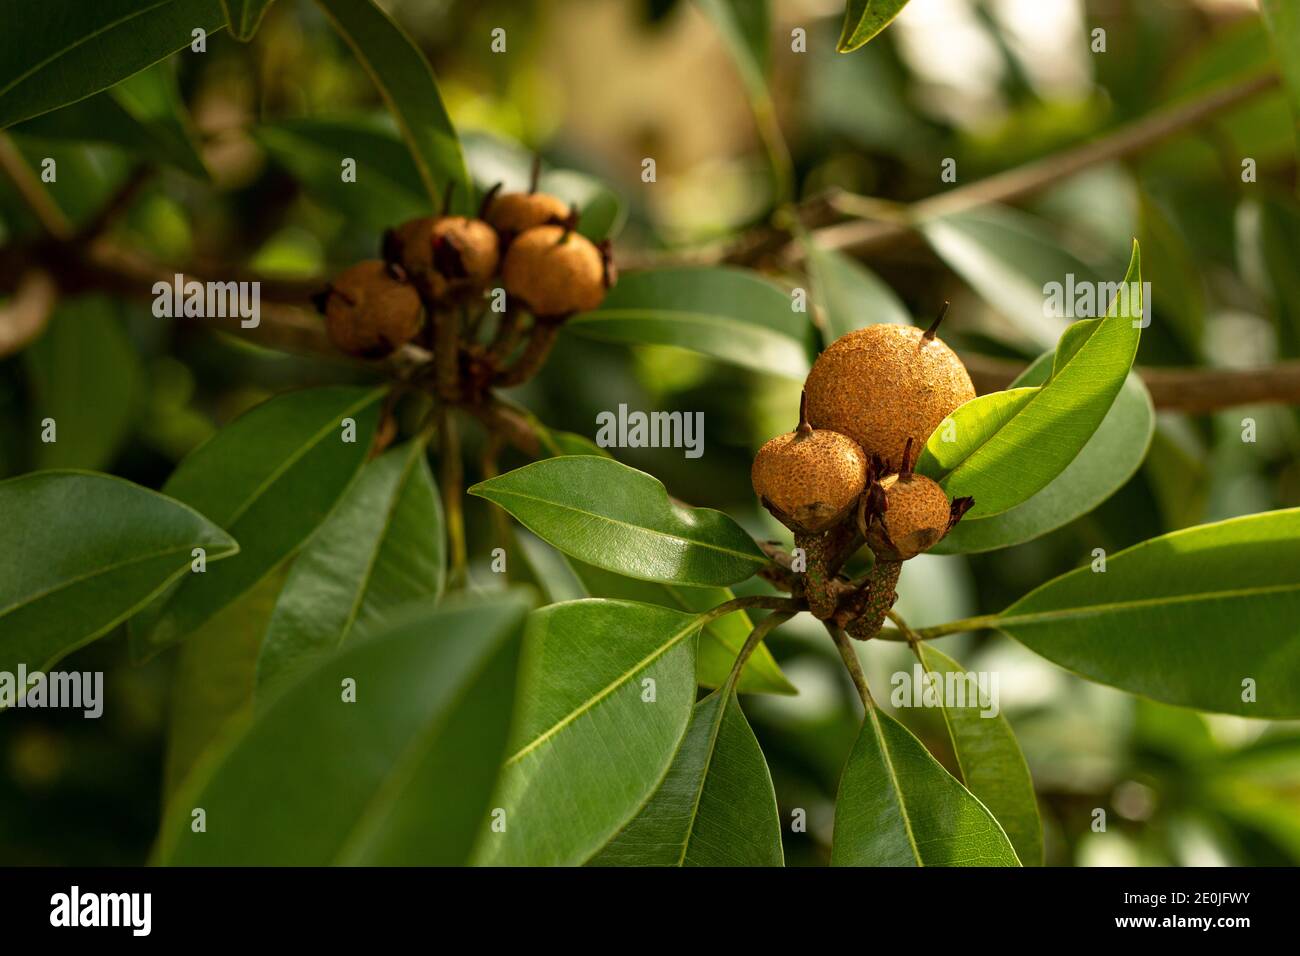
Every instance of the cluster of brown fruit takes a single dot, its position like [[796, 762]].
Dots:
[[437, 264], [844, 476]]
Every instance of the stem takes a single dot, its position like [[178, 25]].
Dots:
[[850, 658], [907, 632], [859, 236], [756, 637], [540, 342], [33, 193], [490, 469], [446, 344], [766, 602], [451, 478], [984, 622]]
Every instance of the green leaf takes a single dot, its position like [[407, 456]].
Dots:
[[381, 548], [406, 81], [80, 553], [850, 295], [400, 776], [269, 478], [86, 376], [1184, 618], [244, 16], [615, 517], [864, 19], [212, 686], [62, 54], [1010, 445], [589, 746], [1111, 456], [728, 314], [720, 639], [746, 29], [1282, 17], [897, 806], [143, 114], [716, 806], [992, 766], [1009, 258]]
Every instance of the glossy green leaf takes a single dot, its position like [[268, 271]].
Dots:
[[143, 114], [1108, 460], [1282, 18], [269, 478], [80, 553], [992, 766], [381, 548], [720, 639], [1184, 618], [606, 691], [212, 686], [728, 314], [244, 16], [1008, 257], [864, 19], [406, 769], [60, 53], [615, 517], [716, 805], [407, 83], [851, 296], [1010, 445], [86, 376], [897, 806]]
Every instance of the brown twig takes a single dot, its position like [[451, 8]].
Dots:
[[1191, 390], [861, 236], [33, 193]]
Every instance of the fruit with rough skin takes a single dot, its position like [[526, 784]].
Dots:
[[555, 272], [916, 516], [370, 311], [884, 384], [511, 214], [450, 256], [810, 479]]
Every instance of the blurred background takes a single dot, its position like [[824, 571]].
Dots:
[[595, 86]]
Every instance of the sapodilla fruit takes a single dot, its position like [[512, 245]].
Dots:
[[916, 517], [511, 214], [370, 310], [555, 272], [809, 478], [884, 384], [449, 255]]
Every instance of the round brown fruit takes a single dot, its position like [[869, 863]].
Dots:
[[810, 479], [449, 255], [513, 213], [884, 384], [916, 517], [369, 312], [555, 272]]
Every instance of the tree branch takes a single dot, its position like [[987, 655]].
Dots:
[[1191, 390], [859, 236]]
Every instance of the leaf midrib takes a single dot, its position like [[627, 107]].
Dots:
[[59, 54], [1093, 610], [621, 680], [97, 572], [626, 524], [1029, 403], [897, 785], [296, 456]]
